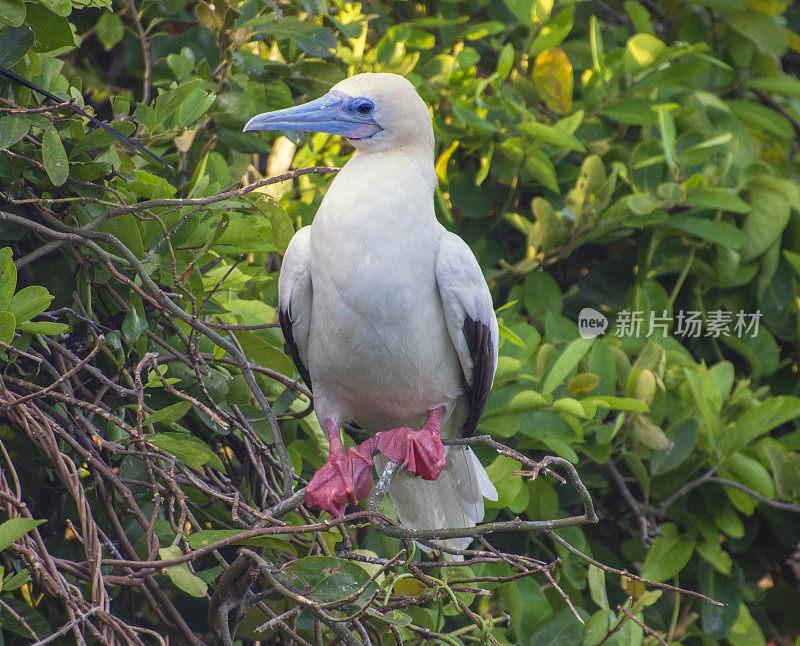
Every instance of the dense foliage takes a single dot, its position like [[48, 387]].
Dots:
[[638, 159]]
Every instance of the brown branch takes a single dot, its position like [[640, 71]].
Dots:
[[148, 65], [60, 380], [635, 577], [645, 628]]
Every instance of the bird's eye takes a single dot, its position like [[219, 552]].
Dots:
[[365, 108]]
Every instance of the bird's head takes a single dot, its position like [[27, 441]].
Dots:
[[375, 112]]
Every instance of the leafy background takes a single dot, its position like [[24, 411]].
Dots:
[[618, 156]]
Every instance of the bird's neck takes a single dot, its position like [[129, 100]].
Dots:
[[388, 161]]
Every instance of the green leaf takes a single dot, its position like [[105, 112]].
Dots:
[[12, 530], [29, 302], [596, 42], [59, 7], [110, 29], [596, 628], [712, 553], [207, 536], [649, 434], [637, 112], [328, 578], [7, 326], [500, 426], [47, 328], [721, 199], [12, 128], [169, 414], [8, 278], [51, 31], [541, 294], [282, 228], [552, 34], [100, 138], [505, 61], [761, 118], [194, 107], [716, 621], [313, 39], [764, 417], [566, 362], [745, 630], [640, 17], [750, 472], [133, 326], [723, 233], [768, 218], [597, 587], [762, 30], [551, 135], [15, 42], [16, 581], [683, 436], [507, 485], [541, 167], [125, 228], [507, 333], [190, 450], [666, 125], [54, 157], [667, 555], [527, 401], [12, 12], [782, 84], [561, 628], [618, 403], [169, 102], [265, 354], [181, 575]]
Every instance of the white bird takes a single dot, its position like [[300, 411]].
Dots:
[[387, 314]]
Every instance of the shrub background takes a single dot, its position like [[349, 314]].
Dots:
[[619, 156]]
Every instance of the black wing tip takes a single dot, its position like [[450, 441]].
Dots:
[[286, 326], [479, 342], [127, 141]]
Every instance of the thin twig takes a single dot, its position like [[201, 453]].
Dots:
[[644, 627]]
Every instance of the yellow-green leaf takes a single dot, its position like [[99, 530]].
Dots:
[[552, 77], [410, 587], [642, 50], [181, 575]]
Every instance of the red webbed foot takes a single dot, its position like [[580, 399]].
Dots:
[[421, 452], [345, 477]]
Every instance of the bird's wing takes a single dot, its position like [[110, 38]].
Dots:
[[294, 299], [470, 319]]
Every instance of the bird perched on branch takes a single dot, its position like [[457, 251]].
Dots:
[[387, 314]]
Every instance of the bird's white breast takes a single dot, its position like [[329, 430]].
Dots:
[[379, 350]]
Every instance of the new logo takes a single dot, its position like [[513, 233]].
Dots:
[[591, 323]]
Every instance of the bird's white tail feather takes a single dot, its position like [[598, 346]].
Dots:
[[455, 499]]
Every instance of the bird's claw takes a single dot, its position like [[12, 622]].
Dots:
[[346, 477], [421, 452]]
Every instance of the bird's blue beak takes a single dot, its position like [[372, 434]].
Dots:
[[335, 113]]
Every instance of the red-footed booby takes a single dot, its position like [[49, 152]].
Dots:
[[386, 314]]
